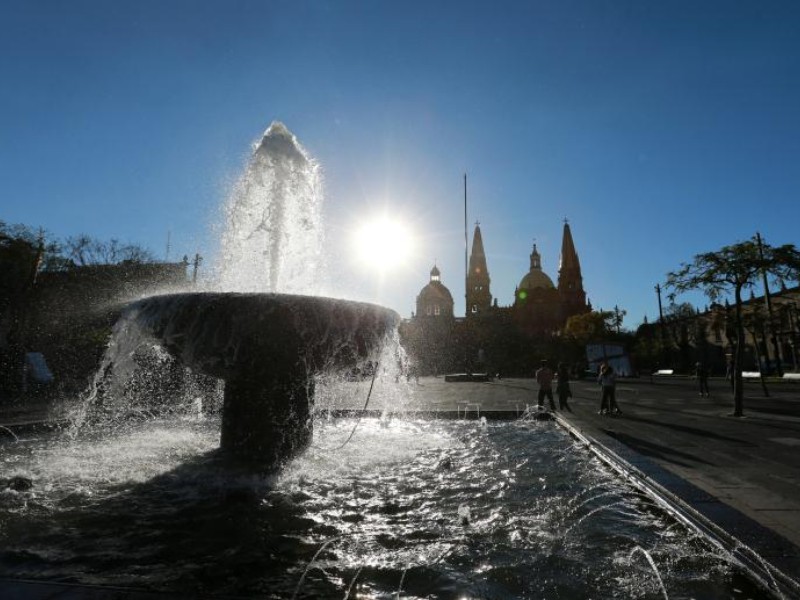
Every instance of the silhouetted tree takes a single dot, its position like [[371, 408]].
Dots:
[[84, 250], [595, 325], [732, 269]]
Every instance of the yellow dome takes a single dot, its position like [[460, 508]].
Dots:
[[536, 278]]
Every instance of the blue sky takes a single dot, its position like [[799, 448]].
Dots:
[[659, 129]]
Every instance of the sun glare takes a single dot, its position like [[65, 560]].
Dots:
[[383, 243]]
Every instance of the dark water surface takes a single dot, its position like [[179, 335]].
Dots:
[[429, 509]]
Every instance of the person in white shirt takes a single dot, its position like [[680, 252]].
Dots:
[[608, 382]]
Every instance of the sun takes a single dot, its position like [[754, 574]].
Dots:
[[383, 242]]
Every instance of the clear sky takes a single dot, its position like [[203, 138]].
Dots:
[[659, 129]]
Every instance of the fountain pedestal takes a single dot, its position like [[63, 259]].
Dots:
[[266, 416], [268, 349]]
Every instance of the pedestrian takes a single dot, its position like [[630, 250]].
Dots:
[[562, 387], [730, 374], [701, 373], [544, 377], [608, 382]]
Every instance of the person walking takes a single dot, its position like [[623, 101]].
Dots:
[[701, 373], [608, 383], [544, 377], [562, 387]]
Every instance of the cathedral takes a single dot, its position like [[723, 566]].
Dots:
[[539, 308]]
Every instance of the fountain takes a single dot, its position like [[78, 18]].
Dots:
[[266, 346], [268, 349], [407, 508]]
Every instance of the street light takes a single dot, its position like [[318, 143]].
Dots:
[[664, 356]]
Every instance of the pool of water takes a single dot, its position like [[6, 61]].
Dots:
[[406, 508]]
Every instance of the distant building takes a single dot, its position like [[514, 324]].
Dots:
[[539, 306], [490, 331], [769, 344], [435, 300], [709, 336]]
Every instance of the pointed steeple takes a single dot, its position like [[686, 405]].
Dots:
[[569, 258], [477, 259], [570, 280], [479, 297]]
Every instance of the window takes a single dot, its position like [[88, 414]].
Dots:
[[436, 310]]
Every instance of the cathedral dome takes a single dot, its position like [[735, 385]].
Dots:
[[435, 299], [536, 279], [435, 290]]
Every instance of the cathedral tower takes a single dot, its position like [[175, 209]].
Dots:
[[479, 298], [570, 281]]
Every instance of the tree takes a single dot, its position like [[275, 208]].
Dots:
[[619, 316], [732, 269], [685, 330], [648, 346], [84, 250], [595, 325], [755, 322], [49, 250]]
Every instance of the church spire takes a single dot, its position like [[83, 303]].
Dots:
[[479, 297], [570, 280], [569, 258]]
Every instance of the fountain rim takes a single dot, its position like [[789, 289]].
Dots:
[[645, 476]]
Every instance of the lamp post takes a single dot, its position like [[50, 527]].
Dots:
[[770, 319], [661, 325], [792, 312]]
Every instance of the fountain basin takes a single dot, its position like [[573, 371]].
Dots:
[[267, 348], [415, 508]]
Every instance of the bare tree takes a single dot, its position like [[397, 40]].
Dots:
[[84, 250]]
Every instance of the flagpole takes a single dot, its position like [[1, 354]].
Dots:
[[466, 243]]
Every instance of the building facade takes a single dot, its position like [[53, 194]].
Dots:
[[490, 331], [771, 336]]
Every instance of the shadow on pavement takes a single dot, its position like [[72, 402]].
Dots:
[[664, 453], [773, 410], [704, 433], [511, 386]]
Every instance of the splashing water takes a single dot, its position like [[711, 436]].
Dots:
[[653, 566], [273, 221]]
